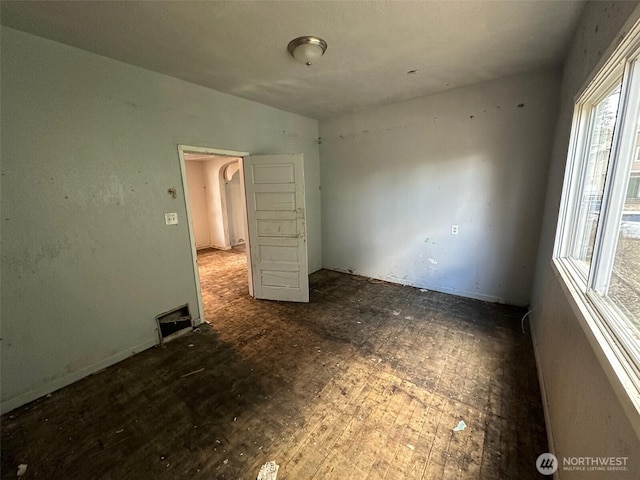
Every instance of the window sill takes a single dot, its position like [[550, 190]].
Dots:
[[605, 347]]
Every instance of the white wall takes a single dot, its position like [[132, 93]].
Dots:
[[395, 179], [235, 210], [198, 203], [586, 417], [210, 206], [89, 149], [216, 201], [211, 169]]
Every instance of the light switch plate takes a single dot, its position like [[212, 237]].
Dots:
[[171, 218]]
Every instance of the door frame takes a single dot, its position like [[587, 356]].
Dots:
[[182, 149]]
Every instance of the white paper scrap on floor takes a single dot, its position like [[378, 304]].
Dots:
[[269, 471]]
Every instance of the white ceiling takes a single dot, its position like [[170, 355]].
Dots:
[[240, 47]]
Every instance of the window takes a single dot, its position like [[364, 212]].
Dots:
[[598, 246], [594, 170], [633, 192]]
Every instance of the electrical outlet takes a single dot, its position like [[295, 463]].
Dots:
[[454, 229], [171, 218]]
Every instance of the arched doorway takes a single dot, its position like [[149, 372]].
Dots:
[[234, 209]]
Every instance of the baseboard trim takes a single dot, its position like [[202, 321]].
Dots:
[[58, 383], [543, 393], [434, 288]]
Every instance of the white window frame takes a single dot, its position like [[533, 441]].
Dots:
[[605, 325], [582, 142]]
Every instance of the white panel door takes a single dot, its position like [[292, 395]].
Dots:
[[274, 186]]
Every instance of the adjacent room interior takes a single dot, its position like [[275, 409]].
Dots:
[[404, 248], [217, 212]]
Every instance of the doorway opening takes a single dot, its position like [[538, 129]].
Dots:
[[274, 218], [214, 190]]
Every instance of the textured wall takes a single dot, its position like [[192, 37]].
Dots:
[[396, 178], [586, 417], [89, 149]]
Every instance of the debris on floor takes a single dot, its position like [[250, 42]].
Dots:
[[398, 381], [192, 373], [461, 426], [22, 469], [269, 471]]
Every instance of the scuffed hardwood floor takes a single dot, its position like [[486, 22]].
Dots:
[[367, 381]]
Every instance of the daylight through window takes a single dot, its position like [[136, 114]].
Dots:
[[599, 227]]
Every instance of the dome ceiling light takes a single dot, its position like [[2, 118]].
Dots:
[[307, 49]]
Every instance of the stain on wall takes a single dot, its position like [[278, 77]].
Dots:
[[395, 175], [585, 414], [89, 151]]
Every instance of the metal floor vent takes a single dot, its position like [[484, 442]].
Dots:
[[174, 323]]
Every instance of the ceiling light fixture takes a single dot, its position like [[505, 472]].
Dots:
[[307, 49]]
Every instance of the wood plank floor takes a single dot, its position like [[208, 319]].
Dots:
[[367, 381]]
